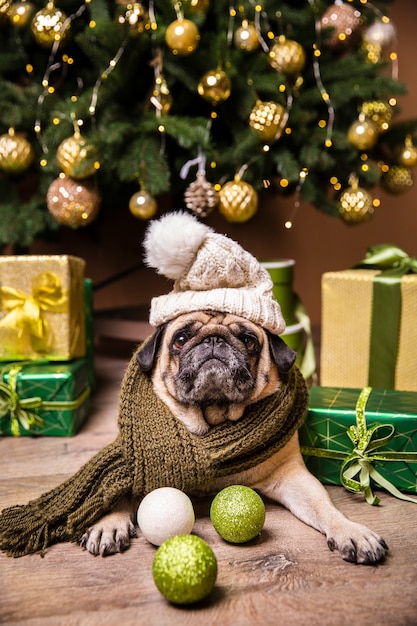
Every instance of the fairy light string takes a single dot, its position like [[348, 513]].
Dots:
[[52, 66], [317, 77]]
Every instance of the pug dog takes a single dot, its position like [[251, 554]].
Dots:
[[208, 367]]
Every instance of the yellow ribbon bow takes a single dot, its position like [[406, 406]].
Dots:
[[16, 409], [25, 320]]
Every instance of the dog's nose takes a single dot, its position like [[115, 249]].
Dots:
[[214, 340]]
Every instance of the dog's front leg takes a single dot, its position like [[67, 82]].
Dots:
[[292, 485], [112, 532]]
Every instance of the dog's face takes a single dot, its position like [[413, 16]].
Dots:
[[207, 367]]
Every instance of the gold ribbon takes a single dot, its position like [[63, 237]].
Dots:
[[26, 313], [357, 468], [17, 410]]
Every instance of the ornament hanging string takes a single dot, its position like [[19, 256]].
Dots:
[[200, 161], [258, 14]]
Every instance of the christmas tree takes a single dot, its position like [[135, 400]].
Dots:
[[114, 103]]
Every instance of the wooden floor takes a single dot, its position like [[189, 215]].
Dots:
[[286, 577]]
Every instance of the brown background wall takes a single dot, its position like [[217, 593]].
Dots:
[[318, 243]]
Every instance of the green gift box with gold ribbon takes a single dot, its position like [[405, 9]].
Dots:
[[42, 307], [361, 439], [44, 398], [369, 330]]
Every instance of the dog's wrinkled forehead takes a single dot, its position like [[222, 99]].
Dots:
[[207, 322]]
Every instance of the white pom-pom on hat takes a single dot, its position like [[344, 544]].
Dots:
[[171, 243]]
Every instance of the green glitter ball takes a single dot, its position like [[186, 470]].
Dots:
[[237, 514], [184, 569]]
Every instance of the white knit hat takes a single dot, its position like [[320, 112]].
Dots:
[[211, 273]]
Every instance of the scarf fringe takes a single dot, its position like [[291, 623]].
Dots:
[[65, 512]]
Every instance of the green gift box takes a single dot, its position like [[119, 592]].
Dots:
[[49, 399], [361, 438], [89, 330], [297, 334]]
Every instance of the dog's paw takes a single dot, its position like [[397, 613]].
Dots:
[[358, 544], [108, 536]]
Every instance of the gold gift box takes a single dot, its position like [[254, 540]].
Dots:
[[42, 311], [347, 325]]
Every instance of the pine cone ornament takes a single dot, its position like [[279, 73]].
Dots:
[[200, 196]]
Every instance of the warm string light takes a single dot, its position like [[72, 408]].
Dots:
[[52, 66], [104, 75], [297, 203], [317, 76]]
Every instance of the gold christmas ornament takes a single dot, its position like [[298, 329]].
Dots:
[[143, 205], [344, 20], [266, 118], [397, 179], [287, 56], [355, 204], [238, 201], [182, 37], [246, 37], [363, 133], [16, 153], [134, 15], [407, 155], [381, 33], [20, 13], [200, 196], [215, 86], [73, 203], [48, 26], [77, 157], [379, 112]]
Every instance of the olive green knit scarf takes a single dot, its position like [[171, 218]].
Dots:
[[153, 449]]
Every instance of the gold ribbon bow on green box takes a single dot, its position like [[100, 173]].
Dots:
[[25, 319], [393, 264], [28, 415], [360, 447]]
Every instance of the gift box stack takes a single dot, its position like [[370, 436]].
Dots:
[[46, 345], [361, 427]]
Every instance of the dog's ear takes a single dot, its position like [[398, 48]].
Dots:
[[147, 354], [282, 355]]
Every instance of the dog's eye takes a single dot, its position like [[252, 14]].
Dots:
[[251, 342], [180, 339]]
